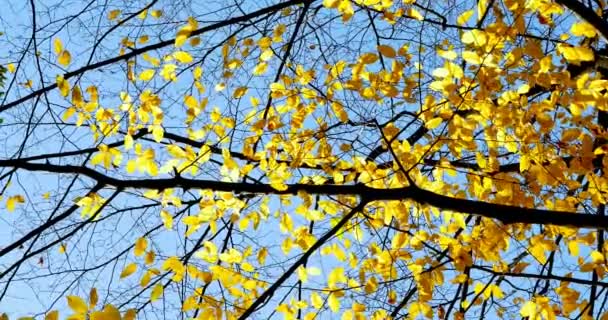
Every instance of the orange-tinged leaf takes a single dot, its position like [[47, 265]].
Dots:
[[368, 58], [93, 298], [12, 201], [110, 313], [239, 92], [77, 304], [387, 51], [52, 315], [130, 314], [113, 14], [149, 259], [128, 270]]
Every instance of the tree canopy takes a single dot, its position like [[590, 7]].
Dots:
[[302, 159]]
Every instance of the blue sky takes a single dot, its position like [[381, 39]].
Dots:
[[97, 242]]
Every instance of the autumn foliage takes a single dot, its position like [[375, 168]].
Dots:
[[302, 159]]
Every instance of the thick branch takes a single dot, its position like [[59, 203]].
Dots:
[[586, 14], [504, 213]]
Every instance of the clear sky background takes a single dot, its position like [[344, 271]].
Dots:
[[44, 280]]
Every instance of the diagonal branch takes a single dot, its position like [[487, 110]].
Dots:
[[158, 45], [586, 14]]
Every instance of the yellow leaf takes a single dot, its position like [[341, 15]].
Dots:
[[471, 57], [475, 37], [198, 72], [113, 14], [190, 102], [64, 58], [331, 4], [167, 219], [449, 54], [464, 17], [142, 15], [266, 55], [433, 123], [12, 201], [10, 67], [128, 270], [333, 302], [302, 275], [158, 133], [156, 13], [180, 38], [128, 142], [147, 75], [415, 14], [63, 86], [182, 56], [387, 51], [260, 68], [77, 304], [482, 7], [528, 310], [316, 300], [68, 113], [157, 291], [62, 248], [583, 29], [57, 46], [184, 33], [576, 54], [140, 246], [52, 315], [93, 298]]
